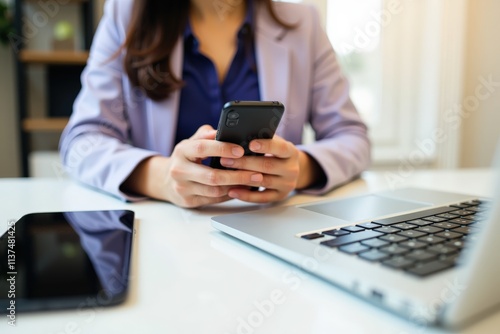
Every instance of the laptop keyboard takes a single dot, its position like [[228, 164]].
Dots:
[[421, 243]]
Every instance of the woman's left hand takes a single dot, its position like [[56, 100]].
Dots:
[[284, 167]]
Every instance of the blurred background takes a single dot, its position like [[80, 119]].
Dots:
[[425, 75]]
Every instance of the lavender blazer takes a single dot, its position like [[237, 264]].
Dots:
[[114, 126]]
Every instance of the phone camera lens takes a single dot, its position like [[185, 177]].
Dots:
[[231, 123], [233, 115]]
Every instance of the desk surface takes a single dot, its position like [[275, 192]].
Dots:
[[189, 278]]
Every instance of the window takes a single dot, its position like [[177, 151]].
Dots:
[[403, 59]]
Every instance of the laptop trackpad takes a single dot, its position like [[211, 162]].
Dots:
[[361, 208]]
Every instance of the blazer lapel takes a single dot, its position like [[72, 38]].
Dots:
[[273, 59], [163, 115]]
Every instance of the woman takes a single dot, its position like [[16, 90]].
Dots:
[[157, 77]]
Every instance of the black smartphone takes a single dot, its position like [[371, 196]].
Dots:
[[241, 122]]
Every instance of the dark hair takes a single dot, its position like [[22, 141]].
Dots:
[[154, 30]]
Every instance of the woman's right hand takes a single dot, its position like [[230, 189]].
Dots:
[[181, 178]]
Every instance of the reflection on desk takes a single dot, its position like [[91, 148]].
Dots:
[[67, 260]]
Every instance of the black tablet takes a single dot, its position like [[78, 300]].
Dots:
[[66, 260]]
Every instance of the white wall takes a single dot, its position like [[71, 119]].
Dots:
[[481, 131]]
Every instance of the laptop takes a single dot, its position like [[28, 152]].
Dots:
[[432, 257]]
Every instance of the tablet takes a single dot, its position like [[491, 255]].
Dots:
[[63, 260]]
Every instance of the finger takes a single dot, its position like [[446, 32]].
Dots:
[[277, 146], [207, 176], [202, 190], [202, 201], [204, 148], [198, 201], [220, 177], [204, 132], [265, 196], [262, 164]]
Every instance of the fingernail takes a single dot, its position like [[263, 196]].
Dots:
[[237, 151], [233, 194], [256, 177], [227, 161], [255, 146]]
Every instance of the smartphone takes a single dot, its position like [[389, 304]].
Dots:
[[243, 121]]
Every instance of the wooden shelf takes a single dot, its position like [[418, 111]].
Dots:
[[44, 124], [67, 1], [54, 57]]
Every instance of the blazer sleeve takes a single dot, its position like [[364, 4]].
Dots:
[[94, 146], [342, 147]]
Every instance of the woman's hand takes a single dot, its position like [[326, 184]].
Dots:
[[182, 179], [284, 169]]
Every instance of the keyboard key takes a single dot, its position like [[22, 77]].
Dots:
[[461, 212], [412, 216], [394, 250], [374, 255], [461, 206], [375, 243], [368, 226], [427, 268], [430, 239], [413, 244], [387, 229], [446, 225], [461, 221], [442, 249], [429, 229], [393, 238], [412, 234], [312, 236], [434, 219], [404, 226], [421, 255], [352, 229], [335, 233], [477, 208], [447, 216], [473, 202], [399, 262], [465, 230], [470, 238], [456, 243], [419, 222], [354, 248], [351, 238], [451, 258], [449, 235], [472, 217]]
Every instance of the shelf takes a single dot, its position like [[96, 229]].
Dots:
[[44, 124], [54, 57], [76, 1], [61, 65]]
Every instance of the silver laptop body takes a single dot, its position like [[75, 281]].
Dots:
[[450, 297]]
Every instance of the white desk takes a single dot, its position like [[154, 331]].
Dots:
[[189, 278]]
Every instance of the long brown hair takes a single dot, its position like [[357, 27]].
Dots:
[[154, 29]]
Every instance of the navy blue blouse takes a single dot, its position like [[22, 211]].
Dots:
[[203, 96]]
